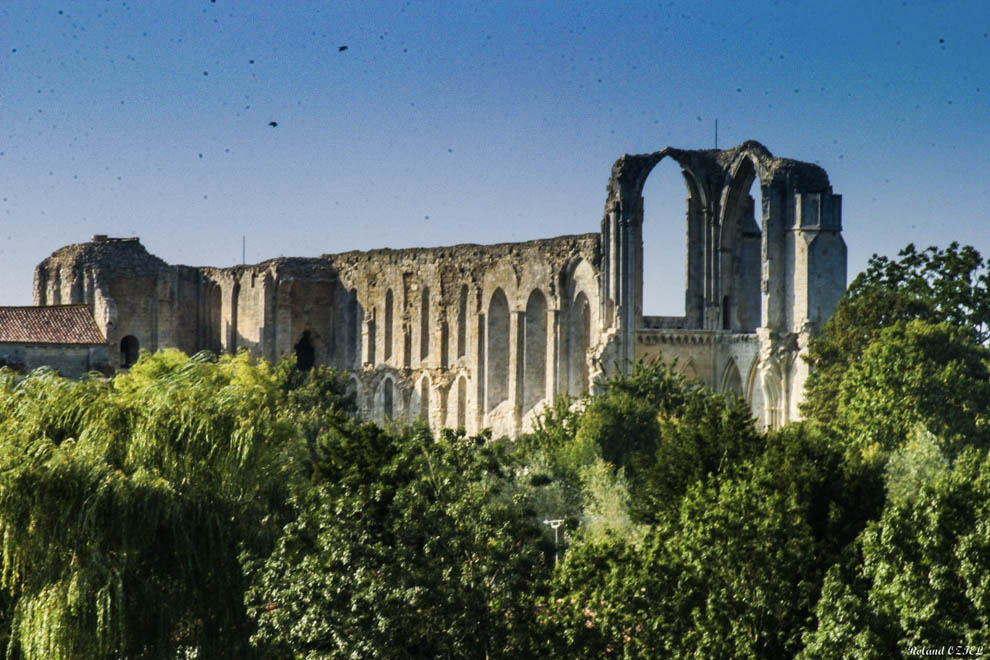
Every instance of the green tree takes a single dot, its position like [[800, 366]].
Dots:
[[916, 373], [702, 438], [921, 577], [934, 285], [125, 503], [839, 492], [404, 547], [733, 574]]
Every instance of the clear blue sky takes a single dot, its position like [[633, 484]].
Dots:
[[450, 122]]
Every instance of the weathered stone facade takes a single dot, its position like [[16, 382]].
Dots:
[[483, 336]]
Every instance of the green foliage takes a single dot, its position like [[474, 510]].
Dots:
[[404, 547], [951, 285], [916, 373], [598, 601], [839, 492], [912, 466], [124, 505], [923, 576], [731, 575], [704, 437]]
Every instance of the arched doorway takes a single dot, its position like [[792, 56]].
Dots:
[[305, 353], [129, 351]]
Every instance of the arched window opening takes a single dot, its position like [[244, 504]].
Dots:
[[732, 381], [498, 350], [535, 351], [579, 335], [305, 353], [387, 397], [462, 321], [129, 351], [726, 318], [214, 323], [424, 324], [353, 391], [235, 297], [388, 325], [372, 332], [666, 241], [741, 260]]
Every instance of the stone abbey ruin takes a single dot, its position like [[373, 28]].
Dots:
[[484, 336]]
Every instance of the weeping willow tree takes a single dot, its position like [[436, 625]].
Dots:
[[126, 503]]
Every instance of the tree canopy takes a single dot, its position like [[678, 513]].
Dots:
[[226, 508]]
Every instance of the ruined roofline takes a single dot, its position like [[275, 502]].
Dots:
[[630, 171], [567, 239], [103, 251], [110, 247], [395, 254], [331, 262]]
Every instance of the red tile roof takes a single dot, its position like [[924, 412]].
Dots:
[[54, 324]]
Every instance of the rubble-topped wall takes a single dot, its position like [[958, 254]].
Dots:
[[468, 335]]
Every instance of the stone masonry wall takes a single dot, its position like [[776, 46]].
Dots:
[[484, 336]]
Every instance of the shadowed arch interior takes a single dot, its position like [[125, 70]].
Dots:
[[578, 341], [498, 350], [741, 254], [535, 351], [305, 353], [129, 351]]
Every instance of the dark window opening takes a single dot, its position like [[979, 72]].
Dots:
[[387, 398], [129, 350], [462, 322], [424, 325], [305, 353]]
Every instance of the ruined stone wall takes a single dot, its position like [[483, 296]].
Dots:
[[469, 335], [484, 336], [70, 360], [774, 273]]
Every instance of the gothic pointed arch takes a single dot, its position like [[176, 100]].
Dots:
[[578, 342], [731, 380], [420, 404], [497, 350], [305, 352], [534, 352], [740, 267], [389, 325]]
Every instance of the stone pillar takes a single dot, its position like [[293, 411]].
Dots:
[[517, 328], [553, 355], [772, 281]]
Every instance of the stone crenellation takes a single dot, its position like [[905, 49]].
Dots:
[[485, 335]]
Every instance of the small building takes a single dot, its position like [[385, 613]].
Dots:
[[63, 337]]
